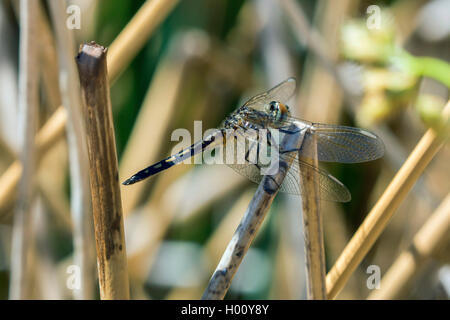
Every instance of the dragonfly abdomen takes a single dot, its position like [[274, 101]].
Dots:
[[150, 171], [173, 159]]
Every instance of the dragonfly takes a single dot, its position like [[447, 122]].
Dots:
[[269, 111]]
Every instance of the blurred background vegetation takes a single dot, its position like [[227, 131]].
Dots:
[[203, 61]]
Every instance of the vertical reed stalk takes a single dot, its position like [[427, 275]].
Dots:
[[103, 171], [313, 229], [28, 104], [80, 200], [49, 62]]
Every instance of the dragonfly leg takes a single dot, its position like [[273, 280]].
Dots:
[[269, 138], [247, 154], [257, 153]]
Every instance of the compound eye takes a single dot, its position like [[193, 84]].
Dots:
[[273, 106]]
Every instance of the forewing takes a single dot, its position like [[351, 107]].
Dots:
[[342, 144], [281, 93]]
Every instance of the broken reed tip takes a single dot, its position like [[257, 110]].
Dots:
[[92, 48]]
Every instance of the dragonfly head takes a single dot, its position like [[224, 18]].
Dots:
[[277, 111]]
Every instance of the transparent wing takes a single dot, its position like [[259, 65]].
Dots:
[[281, 92], [330, 188], [343, 144], [340, 143]]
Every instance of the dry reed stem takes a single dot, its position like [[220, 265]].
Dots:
[[8, 81], [313, 230], [249, 225], [427, 241], [320, 96], [48, 58], [54, 127], [379, 216], [81, 207], [28, 113], [48, 66], [103, 172], [33, 258]]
